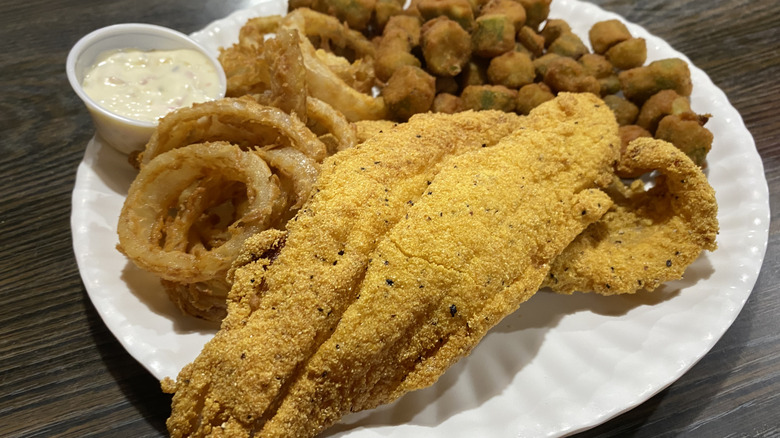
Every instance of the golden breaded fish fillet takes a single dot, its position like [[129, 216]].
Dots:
[[468, 253], [649, 237], [282, 311]]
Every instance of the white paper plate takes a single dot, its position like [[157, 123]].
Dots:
[[559, 365]]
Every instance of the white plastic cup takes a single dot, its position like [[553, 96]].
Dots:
[[125, 134]]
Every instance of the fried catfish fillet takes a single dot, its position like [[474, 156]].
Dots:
[[649, 237], [467, 254], [282, 311], [270, 370]]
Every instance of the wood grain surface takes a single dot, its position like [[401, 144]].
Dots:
[[62, 373]]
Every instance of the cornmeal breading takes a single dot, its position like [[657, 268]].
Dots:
[[475, 246], [649, 237]]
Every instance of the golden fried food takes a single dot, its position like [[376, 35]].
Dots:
[[281, 312], [687, 132], [400, 36], [240, 121], [660, 105], [638, 84], [250, 63], [333, 128], [628, 54], [183, 186], [532, 95], [409, 91], [291, 357], [446, 46], [606, 34], [369, 128], [474, 247], [493, 35], [566, 74], [568, 44], [651, 236], [625, 112], [512, 70], [488, 97], [536, 12]]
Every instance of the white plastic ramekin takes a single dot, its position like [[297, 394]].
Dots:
[[124, 134]]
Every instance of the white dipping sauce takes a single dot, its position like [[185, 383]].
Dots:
[[145, 86]]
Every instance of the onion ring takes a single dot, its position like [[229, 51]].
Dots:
[[240, 121], [330, 32], [295, 167], [288, 75], [326, 85], [156, 190], [333, 122]]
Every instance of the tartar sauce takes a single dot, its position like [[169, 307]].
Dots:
[[146, 85]]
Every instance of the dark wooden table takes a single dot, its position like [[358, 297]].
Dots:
[[62, 373]]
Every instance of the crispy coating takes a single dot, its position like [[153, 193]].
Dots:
[[493, 35], [446, 46], [409, 91], [568, 44], [536, 11], [510, 8], [625, 111], [256, 376], [628, 54], [512, 70], [532, 95], [366, 129], [639, 84], [687, 132], [278, 316], [650, 236], [475, 246], [606, 34], [566, 74], [489, 97], [447, 103]]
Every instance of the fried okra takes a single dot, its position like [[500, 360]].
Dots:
[[356, 13], [553, 28], [512, 70], [447, 103], [536, 11], [687, 132], [568, 44], [459, 11], [510, 8], [531, 41], [493, 35], [638, 84], [660, 105], [628, 54], [596, 65], [532, 95], [542, 63], [487, 97], [625, 111], [474, 73], [400, 36], [446, 46], [409, 91], [384, 10], [566, 74], [606, 34]]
